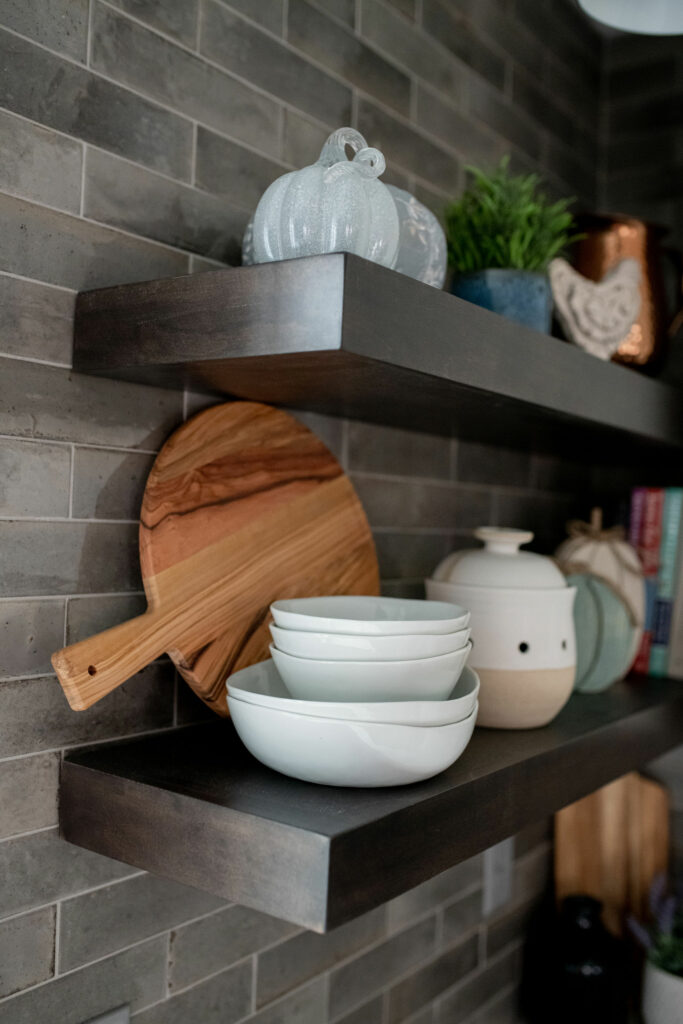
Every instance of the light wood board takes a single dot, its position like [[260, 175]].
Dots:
[[243, 505]]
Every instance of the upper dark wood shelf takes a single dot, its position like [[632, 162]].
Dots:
[[340, 335], [194, 806]]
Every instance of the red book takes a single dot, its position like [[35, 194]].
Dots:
[[648, 546]]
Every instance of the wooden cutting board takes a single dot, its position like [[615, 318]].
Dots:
[[243, 505], [612, 844]]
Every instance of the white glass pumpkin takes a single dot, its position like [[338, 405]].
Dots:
[[335, 205], [422, 251]]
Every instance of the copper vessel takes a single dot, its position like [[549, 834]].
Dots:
[[610, 238]]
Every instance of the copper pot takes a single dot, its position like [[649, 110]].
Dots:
[[609, 239]]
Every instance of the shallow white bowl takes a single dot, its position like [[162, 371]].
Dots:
[[367, 681], [261, 684], [347, 647], [369, 616], [334, 752]]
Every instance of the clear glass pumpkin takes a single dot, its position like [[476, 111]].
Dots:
[[335, 205], [422, 251]]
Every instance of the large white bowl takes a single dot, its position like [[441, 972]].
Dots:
[[261, 684], [423, 679], [368, 616], [335, 752], [350, 647]]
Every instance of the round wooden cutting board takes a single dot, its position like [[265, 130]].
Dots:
[[243, 505]]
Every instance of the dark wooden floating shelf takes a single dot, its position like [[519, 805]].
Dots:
[[194, 806], [337, 334]]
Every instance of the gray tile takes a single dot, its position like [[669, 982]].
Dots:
[[305, 1006], [241, 47], [135, 977], [541, 108], [44, 402], [340, 50], [88, 615], [558, 29], [67, 557], [126, 196], [233, 172], [60, 25], [435, 892], [225, 997], [506, 120], [446, 23], [343, 10], [412, 151], [533, 873], [379, 449], [486, 464], [36, 321], [406, 7], [431, 980], [29, 632], [38, 776], [476, 991], [204, 947], [267, 13], [511, 926], [292, 962], [461, 916], [177, 18], [416, 51], [71, 252], [61, 95], [353, 982], [144, 702], [27, 947], [410, 555], [109, 484], [544, 514], [303, 140], [34, 478], [504, 1009], [39, 164], [144, 61], [109, 919], [44, 868], [329, 429], [418, 503], [532, 836], [369, 1013], [549, 473], [475, 144]]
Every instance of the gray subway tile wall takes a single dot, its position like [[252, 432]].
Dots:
[[147, 131]]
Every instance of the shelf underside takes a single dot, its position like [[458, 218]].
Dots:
[[194, 806], [337, 334]]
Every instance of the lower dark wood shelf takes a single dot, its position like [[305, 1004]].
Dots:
[[194, 806]]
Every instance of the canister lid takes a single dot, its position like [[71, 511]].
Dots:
[[500, 563]]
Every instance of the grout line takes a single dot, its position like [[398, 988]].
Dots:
[[34, 280], [84, 153], [33, 359], [72, 467], [66, 519], [62, 597], [78, 444], [58, 943]]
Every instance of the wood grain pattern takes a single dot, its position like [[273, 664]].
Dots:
[[611, 845], [243, 505]]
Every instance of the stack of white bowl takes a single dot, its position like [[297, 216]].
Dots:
[[360, 691]]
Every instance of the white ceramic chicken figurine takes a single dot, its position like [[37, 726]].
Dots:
[[597, 316]]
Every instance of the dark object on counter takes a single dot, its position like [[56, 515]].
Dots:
[[575, 971], [611, 238], [520, 295]]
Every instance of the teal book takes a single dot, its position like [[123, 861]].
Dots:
[[669, 557]]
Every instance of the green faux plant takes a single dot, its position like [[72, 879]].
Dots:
[[506, 221]]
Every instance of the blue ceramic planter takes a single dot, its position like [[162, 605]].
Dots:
[[521, 295]]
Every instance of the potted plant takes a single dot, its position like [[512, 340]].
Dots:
[[502, 234], [663, 943]]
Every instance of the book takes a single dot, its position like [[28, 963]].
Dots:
[[675, 661], [666, 580], [649, 540]]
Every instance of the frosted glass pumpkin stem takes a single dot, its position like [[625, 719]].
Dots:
[[334, 149]]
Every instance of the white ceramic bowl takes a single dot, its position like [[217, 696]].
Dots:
[[261, 684], [335, 752], [368, 616], [423, 679], [347, 647]]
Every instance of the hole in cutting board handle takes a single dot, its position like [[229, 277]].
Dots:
[[92, 670]]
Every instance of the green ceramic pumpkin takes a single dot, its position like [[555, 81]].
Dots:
[[604, 634]]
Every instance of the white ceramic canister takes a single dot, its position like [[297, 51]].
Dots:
[[524, 646], [662, 996]]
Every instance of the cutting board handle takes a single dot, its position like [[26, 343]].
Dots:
[[92, 668]]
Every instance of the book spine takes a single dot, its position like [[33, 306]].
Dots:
[[648, 550], [675, 662], [666, 580], [635, 525]]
